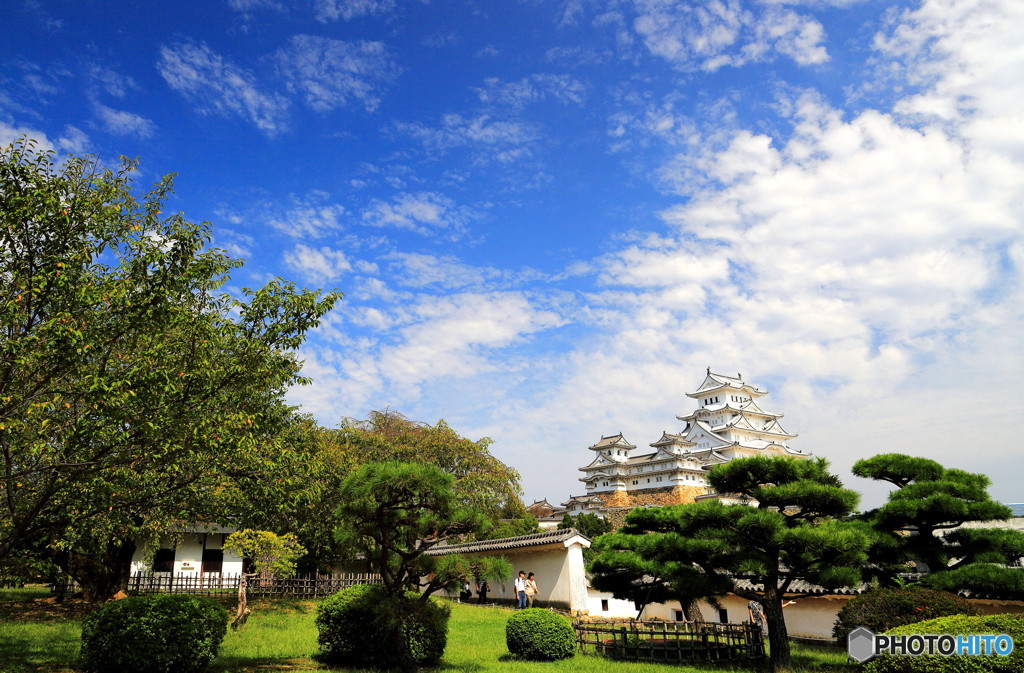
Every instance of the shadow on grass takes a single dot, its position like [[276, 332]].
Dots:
[[57, 653]]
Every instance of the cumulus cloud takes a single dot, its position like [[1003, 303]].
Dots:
[[216, 86], [329, 74]]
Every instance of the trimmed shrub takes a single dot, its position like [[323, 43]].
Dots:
[[1012, 625], [357, 628], [538, 634], [884, 609], [158, 633]]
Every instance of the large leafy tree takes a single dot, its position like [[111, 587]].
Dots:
[[330, 455], [133, 392], [923, 523], [797, 530], [481, 480]]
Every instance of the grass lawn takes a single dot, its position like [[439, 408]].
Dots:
[[42, 637]]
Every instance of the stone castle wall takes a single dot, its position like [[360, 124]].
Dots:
[[620, 503]]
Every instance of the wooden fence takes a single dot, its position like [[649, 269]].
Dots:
[[635, 640], [216, 584]]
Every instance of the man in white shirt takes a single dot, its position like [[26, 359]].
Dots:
[[520, 586]]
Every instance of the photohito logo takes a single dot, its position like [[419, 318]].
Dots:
[[863, 644]]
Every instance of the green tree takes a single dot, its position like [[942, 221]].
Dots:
[[922, 522], [587, 524], [797, 530], [133, 393], [392, 514], [272, 555], [481, 480]]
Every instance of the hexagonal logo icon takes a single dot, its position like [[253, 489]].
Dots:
[[860, 644]]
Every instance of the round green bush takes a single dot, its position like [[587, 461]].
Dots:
[[158, 633], [357, 627], [535, 633], [884, 609], [1012, 625]]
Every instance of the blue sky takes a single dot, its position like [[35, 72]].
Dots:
[[548, 217]]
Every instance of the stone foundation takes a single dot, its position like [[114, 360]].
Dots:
[[620, 503]]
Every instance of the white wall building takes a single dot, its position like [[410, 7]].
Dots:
[[188, 553]]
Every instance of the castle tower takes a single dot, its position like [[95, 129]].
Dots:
[[730, 423]]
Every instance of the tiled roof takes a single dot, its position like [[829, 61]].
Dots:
[[507, 543], [808, 589]]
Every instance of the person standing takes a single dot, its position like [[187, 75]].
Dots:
[[520, 589], [531, 590]]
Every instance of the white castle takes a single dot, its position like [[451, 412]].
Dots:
[[727, 423]]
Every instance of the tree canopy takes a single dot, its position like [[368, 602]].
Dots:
[[797, 530], [133, 392], [923, 521]]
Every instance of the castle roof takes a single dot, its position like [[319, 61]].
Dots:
[[714, 382], [612, 442]]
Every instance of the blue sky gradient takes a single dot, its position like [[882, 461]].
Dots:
[[548, 217]]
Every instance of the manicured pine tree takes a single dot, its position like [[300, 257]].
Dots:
[[922, 520], [798, 529]]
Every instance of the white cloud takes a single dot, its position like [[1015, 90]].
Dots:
[[332, 10], [72, 140], [478, 131], [422, 212], [122, 122], [321, 265], [328, 74], [517, 94], [217, 86], [309, 218], [711, 35]]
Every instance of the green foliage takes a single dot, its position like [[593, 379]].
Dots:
[[915, 526], [799, 530], [270, 553], [589, 525], [358, 627], [1012, 625], [481, 481], [134, 394], [539, 634], [159, 633], [884, 609], [392, 513]]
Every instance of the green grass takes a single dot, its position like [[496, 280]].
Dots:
[[280, 636]]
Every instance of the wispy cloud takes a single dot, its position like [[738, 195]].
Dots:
[[711, 35], [329, 74], [310, 216], [456, 130], [517, 94], [332, 10], [421, 212], [317, 265], [122, 122], [217, 86]]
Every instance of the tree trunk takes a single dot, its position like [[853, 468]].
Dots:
[[242, 612], [101, 575], [691, 610], [778, 634]]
